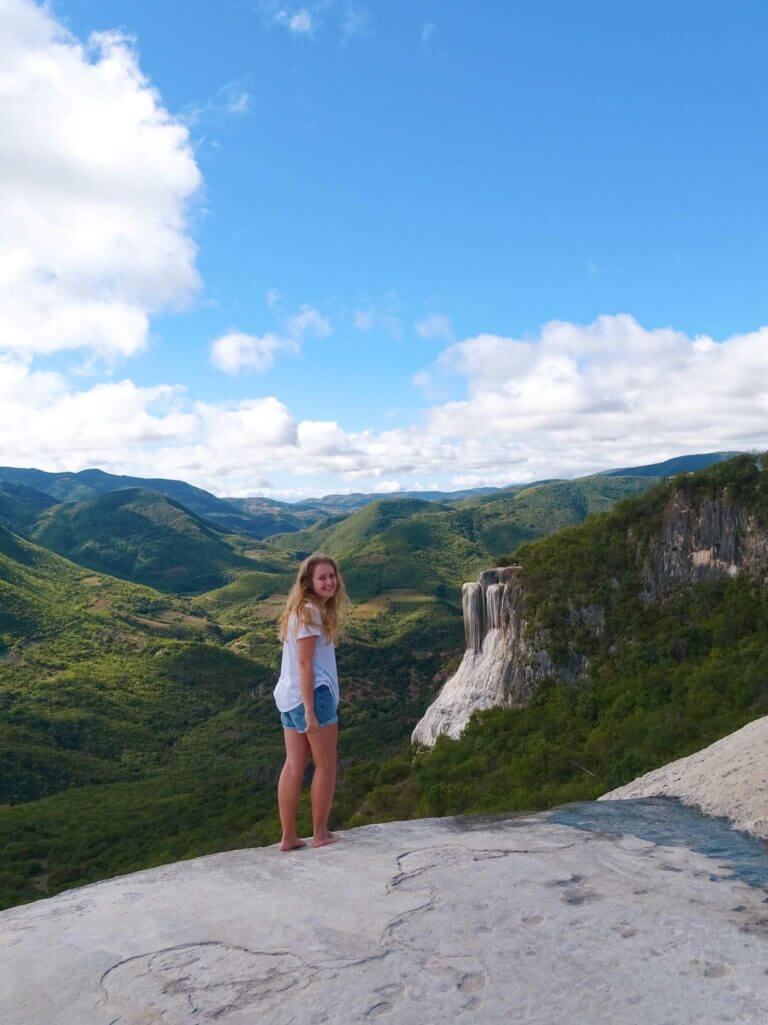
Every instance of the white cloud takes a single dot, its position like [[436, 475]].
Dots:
[[326, 438], [95, 181], [573, 400], [387, 487], [44, 422], [228, 429], [236, 351], [436, 325], [427, 31]]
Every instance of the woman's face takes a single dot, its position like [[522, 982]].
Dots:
[[324, 581]]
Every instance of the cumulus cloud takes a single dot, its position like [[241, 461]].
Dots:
[[235, 351], [573, 400], [45, 422], [96, 178]]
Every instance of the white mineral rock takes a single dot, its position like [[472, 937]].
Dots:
[[509, 921]]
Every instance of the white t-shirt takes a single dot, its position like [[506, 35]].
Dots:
[[287, 692]]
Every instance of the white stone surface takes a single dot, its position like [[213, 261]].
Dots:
[[477, 684], [728, 779], [415, 923]]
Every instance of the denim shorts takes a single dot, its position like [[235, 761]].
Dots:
[[325, 711]]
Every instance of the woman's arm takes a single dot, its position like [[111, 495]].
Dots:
[[306, 647]]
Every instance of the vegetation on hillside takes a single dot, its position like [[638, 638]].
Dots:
[[144, 537], [20, 506], [434, 547]]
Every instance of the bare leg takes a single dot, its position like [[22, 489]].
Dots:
[[323, 744], [289, 787]]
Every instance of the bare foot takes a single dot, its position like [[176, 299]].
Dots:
[[292, 845], [323, 841]]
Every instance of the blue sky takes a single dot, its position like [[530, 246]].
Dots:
[[476, 169]]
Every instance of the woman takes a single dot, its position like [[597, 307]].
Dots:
[[307, 695]]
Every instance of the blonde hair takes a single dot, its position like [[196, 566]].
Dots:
[[303, 601]]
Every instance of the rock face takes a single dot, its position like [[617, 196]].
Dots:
[[697, 540], [472, 921], [713, 537], [500, 666], [727, 779]]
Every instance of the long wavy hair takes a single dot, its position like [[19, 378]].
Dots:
[[302, 600]]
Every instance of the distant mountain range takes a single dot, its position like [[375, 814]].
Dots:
[[181, 539], [259, 516]]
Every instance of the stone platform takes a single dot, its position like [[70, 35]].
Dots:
[[583, 916]]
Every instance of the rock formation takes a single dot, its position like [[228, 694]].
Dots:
[[727, 779], [541, 919], [499, 668], [700, 540], [697, 539]]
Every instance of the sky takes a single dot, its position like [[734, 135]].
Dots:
[[377, 245]]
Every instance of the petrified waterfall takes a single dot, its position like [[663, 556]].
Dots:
[[498, 669]]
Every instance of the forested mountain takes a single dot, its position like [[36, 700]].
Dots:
[[20, 506], [88, 484], [670, 467], [97, 675], [142, 536], [262, 517], [409, 543]]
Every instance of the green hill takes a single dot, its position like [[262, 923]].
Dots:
[[96, 674], [663, 679], [87, 484], [670, 467], [141, 536], [21, 505], [434, 547], [273, 517]]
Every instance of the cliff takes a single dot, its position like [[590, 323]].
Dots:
[[520, 630], [500, 666], [702, 537]]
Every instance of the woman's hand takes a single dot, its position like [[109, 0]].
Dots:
[[312, 723]]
